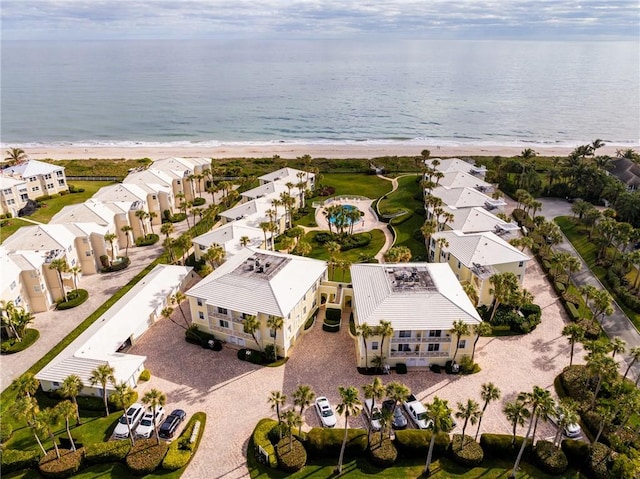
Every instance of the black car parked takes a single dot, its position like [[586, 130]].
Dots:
[[171, 423]]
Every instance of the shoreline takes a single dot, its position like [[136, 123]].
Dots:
[[292, 150]]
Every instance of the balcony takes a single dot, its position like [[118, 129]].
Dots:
[[232, 332], [420, 339], [419, 354]]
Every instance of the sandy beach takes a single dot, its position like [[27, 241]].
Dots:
[[288, 150]]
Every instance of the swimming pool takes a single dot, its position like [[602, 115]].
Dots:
[[347, 220]]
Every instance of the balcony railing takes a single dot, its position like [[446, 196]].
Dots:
[[232, 332], [419, 354], [423, 339]]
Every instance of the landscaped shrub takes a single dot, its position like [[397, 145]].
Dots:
[[572, 311], [550, 458], [68, 464], [110, 451], [498, 446], [467, 366], [145, 456], [359, 240], [194, 335], [466, 452], [531, 311], [182, 449], [116, 404], [74, 298], [145, 375], [199, 201], [333, 316], [401, 368], [327, 442], [413, 442], [12, 345], [13, 460], [592, 329], [598, 465], [382, 454], [122, 263], [260, 438], [435, 368], [147, 240], [577, 452], [291, 459], [575, 381], [90, 403], [6, 430], [252, 356]]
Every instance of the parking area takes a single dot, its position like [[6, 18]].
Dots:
[[234, 393]]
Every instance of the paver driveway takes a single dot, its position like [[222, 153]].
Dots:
[[234, 393]]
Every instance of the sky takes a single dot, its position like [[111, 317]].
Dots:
[[186, 19]]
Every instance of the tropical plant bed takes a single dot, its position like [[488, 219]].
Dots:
[[148, 240], [118, 265], [12, 345], [74, 298]]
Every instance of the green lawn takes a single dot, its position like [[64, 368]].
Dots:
[[54, 205], [119, 168], [12, 227], [578, 235], [359, 184]]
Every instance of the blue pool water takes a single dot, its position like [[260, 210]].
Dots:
[[332, 219]]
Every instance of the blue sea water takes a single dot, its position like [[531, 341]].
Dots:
[[336, 91]]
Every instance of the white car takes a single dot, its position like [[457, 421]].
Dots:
[[145, 428], [325, 412], [134, 413], [373, 411], [570, 430]]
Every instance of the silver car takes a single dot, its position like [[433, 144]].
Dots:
[[325, 412], [134, 413], [374, 414]]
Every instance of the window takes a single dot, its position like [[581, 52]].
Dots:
[[33, 178], [314, 288], [73, 262], [11, 202], [245, 315], [459, 265], [59, 173], [462, 343], [315, 302], [17, 301], [520, 264], [199, 301], [7, 191], [374, 345], [273, 332], [13, 285], [87, 253], [24, 197], [69, 249], [435, 333], [49, 186], [433, 347], [35, 188], [404, 334], [304, 310], [200, 315], [202, 247], [56, 384], [222, 310], [36, 289], [60, 182], [404, 347], [47, 176], [224, 323]]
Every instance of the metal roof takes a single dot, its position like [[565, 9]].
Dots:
[[484, 249], [32, 168], [463, 197]]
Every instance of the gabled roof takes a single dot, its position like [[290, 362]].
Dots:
[[10, 270], [460, 179], [8, 182], [82, 230], [91, 211], [256, 210], [484, 249], [271, 190], [239, 286], [31, 168], [121, 192], [456, 164], [285, 175], [40, 238], [626, 170], [149, 178], [412, 296], [228, 236], [473, 220], [464, 197]]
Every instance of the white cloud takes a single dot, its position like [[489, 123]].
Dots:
[[309, 18]]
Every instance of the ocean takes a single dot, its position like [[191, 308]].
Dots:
[[216, 92]]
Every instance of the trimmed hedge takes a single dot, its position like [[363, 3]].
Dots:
[[327, 442], [68, 464], [333, 316], [290, 459], [401, 368], [119, 266], [182, 449], [199, 201], [145, 375], [498, 446], [252, 356], [598, 464], [412, 442], [74, 298], [382, 454], [466, 452], [577, 452], [194, 335], [13, 460], [260, 438], [111, 451], [11, 346], [575, 381], [148, 240], [550, 458], [6, 430], [145, 456]]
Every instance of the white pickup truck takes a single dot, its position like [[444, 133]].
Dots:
[[417, 412]]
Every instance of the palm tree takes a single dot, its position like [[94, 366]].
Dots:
[[265, 226], [365, 332], [167, 312], [506, 290], [151, 215], [27, 408], [574, 333], [250, 325], [126, 229], [517, 413], [67, 410], [178, 298], [61, 266], [44, 420], [110, 237], [303, 396], [385, 330], [604, 368], [7, 310], [244, 241], [303, 248], [482, 329], [277, 399], [166, 229], [292, 420], [374, 391], [102, 375], [71, 387], [440, 414], [154, 398], [349, 405], [618, 345], [26, 385], [75, 272], [14, 156], [275, 323], [566, 414], [470, 412], [398, 392], [635, 357], [142, 216], [488, 393], [124, 395], [460, 328]]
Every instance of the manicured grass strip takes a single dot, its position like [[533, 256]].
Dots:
[[12, 227], [54, 205], [370, 186], [403, 197], [119, 168], [578, 235]]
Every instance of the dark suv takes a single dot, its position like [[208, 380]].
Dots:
[[171, 423]]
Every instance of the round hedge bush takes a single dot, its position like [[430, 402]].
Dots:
[[598, 464], [145, 456], [14, 460], [550, 458], [291, 459], [199, 201], [11, 346], [6, 430], [148, 240], [382, 454], [74, 298], [466, 452], [145, 375], [110, 451], [68, 464]]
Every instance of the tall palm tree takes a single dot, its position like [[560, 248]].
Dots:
[[45, 419], [440, 414], [385, 330], [482, 329], [244, 241], [67, 410], [618, 345], [574, 333], [635, 357], [566, 414], [460, 328], [214, 255], [349, 405], [142, 216], [167, 313], [275, 323], [517, 413], [75, 272], [303, 396], [124, 396], [488, 393], [151, 215], [110, 237], [250, 325], [365, 332], [292, 420], [470, 412], [374, 391], [166, 229], [26, 385], [398, 392], [177, 299], [27, 408], [71, 387], [265, 226], [603, 367], [61, 266], [154, 398], [126, 229], [103, 375], [277, 399], [14, 156]]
